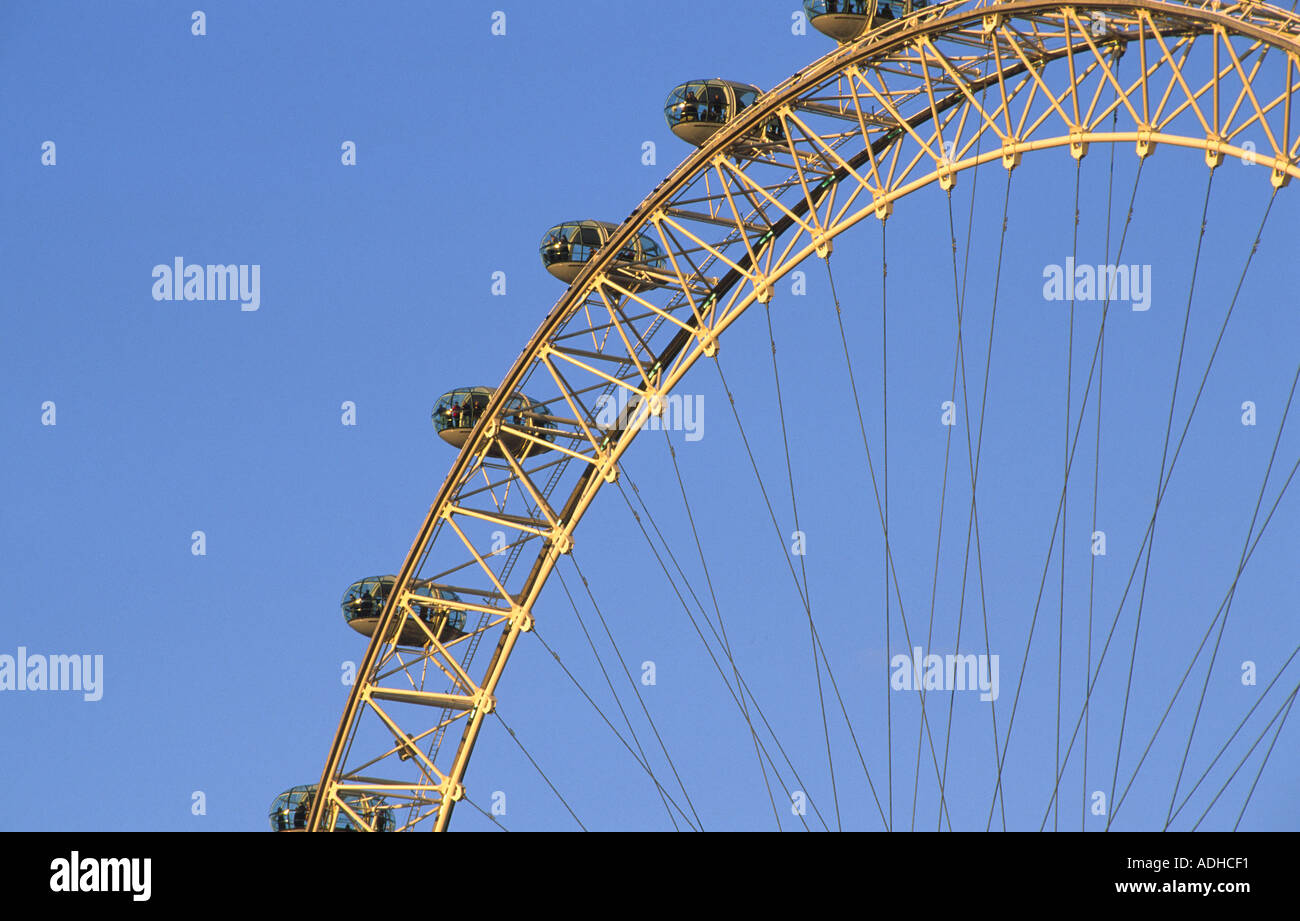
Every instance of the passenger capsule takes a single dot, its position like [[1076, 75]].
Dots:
[[846, 20], [456, 413], [567, 247], [696, 110], [363, 604], [289, 810]]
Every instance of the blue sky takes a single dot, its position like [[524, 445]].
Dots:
[[222, 671]]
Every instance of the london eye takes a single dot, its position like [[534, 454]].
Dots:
[[999, 472]]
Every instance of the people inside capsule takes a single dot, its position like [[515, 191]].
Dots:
[[846, 20], [696, 110], [363, 605], [290, 809], [460, 409], [457, 412], [567, 247]]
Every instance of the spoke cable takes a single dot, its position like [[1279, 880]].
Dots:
[[1164, 457], [533, 762], [637, 690], [997, 789], [744, 686], [639, 759], [803, 567], [644, 759]]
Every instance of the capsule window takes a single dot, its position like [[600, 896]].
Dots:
[[840, 7]]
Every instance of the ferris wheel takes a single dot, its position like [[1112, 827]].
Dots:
[[952, 103]]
